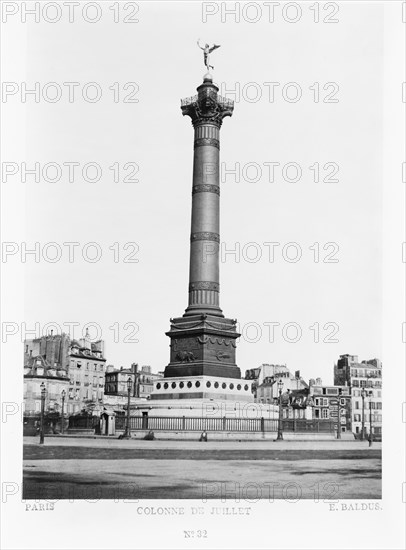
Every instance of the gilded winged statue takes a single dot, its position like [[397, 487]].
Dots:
[[206, 53]]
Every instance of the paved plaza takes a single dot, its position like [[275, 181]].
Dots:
[[101, 468]]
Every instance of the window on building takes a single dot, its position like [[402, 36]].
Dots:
[[325, 413], [316, 413], [355, 383], [363, 383], [357, 429], [356, 406], [357, 418], [379, 405]]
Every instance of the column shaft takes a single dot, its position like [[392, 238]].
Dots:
[[205, 226]]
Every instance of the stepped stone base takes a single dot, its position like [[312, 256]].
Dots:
[[208, 388]]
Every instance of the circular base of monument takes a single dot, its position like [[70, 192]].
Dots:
[[203, 388]]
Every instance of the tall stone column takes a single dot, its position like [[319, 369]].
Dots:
[[203, 341], [207, 111]]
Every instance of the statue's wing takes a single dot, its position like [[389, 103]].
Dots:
[[214, 47]]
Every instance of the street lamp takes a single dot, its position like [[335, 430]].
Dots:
[[41, 428], [127, 433], [62, 412], [371, 435], [363, 395], [280, 434]]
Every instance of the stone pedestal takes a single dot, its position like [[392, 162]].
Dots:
[[203, 345]]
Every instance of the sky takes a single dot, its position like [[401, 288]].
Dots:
[[329, 118]]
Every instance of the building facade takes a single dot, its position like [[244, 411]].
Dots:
[[297, 405], [79, 366], [86, 375], [332, 403], [146, 380], [365, 380], [266, 378], [116, 388], [39, 373], [116, 381]]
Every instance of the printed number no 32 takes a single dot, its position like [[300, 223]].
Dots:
[[195, 534]]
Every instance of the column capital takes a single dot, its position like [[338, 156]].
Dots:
[[207, 107]]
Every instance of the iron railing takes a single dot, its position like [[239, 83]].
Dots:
[[199, 424]]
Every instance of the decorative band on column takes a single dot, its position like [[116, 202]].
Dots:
[[206, 141], [205, 236], [207, 131], [203, 298], [204, 285], [206, 188]]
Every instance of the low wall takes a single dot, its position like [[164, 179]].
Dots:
[[235, 436], [81, 431]]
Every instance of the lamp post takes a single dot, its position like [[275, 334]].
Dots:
[[280, 434], [127, 433], [62, 412], [371, 435], [363, 395], [340, 391], [41, 428]]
